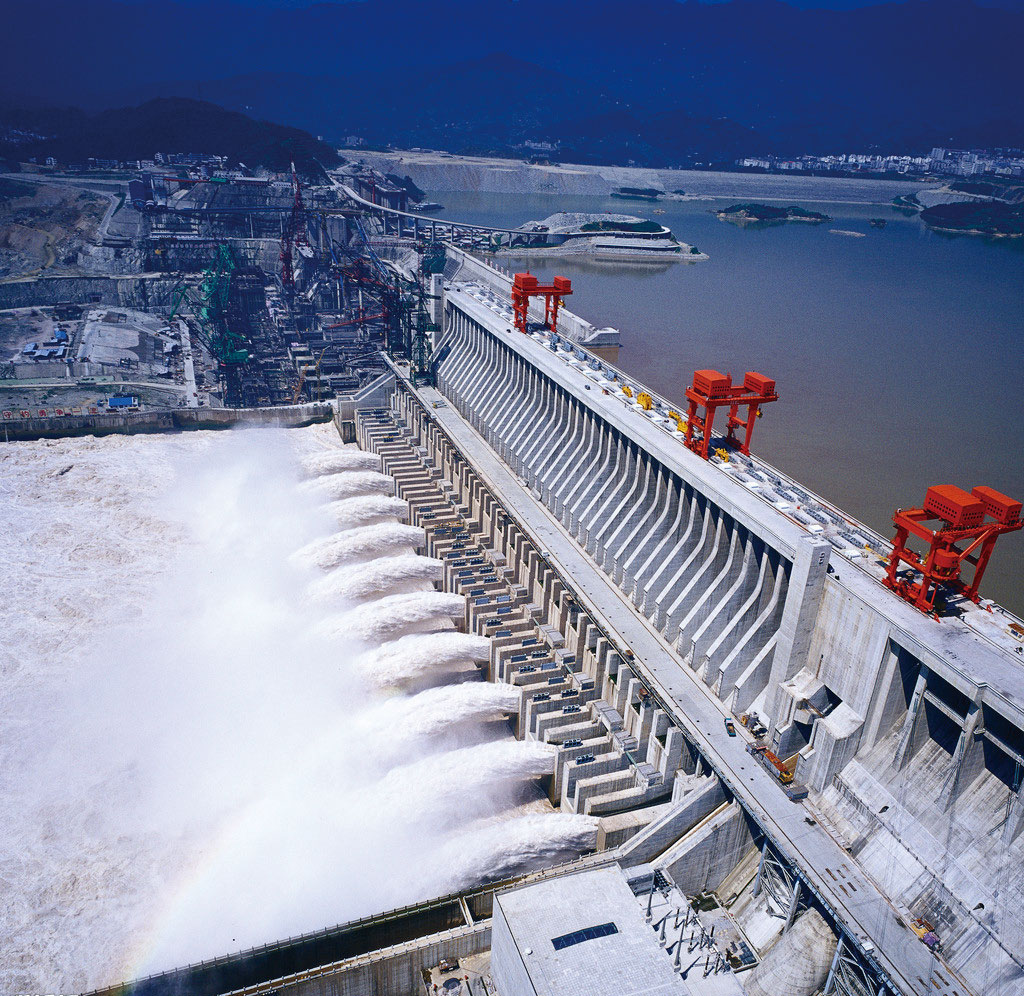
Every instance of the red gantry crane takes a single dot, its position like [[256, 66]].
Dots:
[[712, 390], [979, 517], [526, 286]]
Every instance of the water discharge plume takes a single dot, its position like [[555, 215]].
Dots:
[[411, 656], [187, 733], [355, 482], [338, 461], [358, 544], [396, 615], [362, 510], [473, 774], [432, 713], [513, 847], [381, 832], [386, 575]]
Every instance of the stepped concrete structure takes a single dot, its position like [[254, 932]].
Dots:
[[638, 597]]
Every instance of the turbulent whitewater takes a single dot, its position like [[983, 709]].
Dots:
[[186, 732]]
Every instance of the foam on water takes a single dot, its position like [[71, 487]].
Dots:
[[406, 572], [338, 461], [358, 544], [363, 510], [349, 484]]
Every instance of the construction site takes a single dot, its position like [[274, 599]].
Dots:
[[269, 292]]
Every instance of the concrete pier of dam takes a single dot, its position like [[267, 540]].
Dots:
[[637, 596]]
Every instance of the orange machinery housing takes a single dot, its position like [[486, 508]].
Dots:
[[712, 390], [961, 516], [525, 286]]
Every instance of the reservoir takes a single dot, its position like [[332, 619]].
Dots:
[[899, 355]]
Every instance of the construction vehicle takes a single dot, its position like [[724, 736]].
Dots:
[[771, 762], [925, 932], [730, 727]]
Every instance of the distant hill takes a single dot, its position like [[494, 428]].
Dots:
[[161, 125], [657, 81]]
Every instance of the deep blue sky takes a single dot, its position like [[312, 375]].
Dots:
[[803, 4]]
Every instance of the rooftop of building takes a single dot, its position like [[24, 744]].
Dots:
[[585, 934]]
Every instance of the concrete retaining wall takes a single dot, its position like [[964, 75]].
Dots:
[[290, 417], [702, 859], [395, 971], [140, 291]]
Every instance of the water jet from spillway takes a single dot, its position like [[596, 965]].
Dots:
[[484, 768], [438, 710], [514, 847], [358, 544], [363, 510], [338, 461], [348, 485], [406, 572], [413, 655], [396, 615]]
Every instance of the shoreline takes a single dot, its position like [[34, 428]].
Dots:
[[975, 232], [438, 173]]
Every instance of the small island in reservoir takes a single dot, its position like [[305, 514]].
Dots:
[[993, 218], [766, 214]]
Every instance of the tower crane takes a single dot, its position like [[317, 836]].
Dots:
[[292, 235]]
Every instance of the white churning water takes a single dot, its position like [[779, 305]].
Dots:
[[383, 576], [195, 756], [350, 484], [337, 461], [357, 544], [412, 656], [365, 509]]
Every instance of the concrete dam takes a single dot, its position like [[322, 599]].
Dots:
[[802, 784]]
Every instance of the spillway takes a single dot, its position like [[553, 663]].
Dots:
[[163, 580]]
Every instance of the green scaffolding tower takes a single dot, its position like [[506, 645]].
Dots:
[[210, 304]]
